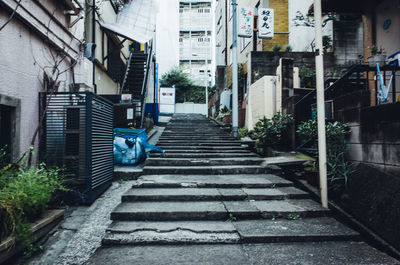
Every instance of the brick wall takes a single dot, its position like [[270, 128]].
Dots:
[[281, 9]]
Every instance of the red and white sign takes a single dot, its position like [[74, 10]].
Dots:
[[246, 22], [265, 23]]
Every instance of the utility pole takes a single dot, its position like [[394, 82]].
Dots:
[[235, 112], [319, 69], [206, 38]]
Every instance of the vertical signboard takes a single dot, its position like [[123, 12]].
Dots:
[[246, 21], [167, 99], [265, 23]]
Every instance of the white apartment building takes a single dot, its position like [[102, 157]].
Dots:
[[195, 40]]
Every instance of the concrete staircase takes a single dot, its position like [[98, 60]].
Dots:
[[210, 189]]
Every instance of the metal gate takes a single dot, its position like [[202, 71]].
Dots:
[[77, 135]]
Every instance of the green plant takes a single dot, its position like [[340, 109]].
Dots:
[[231, 218], [288, 48], [24, 196], [277, 47], [292, 216], [307, 76], [243, 132], [326, 42], [339, 169], [375, 50], [272, 132]]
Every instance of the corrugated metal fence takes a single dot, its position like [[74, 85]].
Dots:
[[77, 134]]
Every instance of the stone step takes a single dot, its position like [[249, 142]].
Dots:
[[212, 181], [179, 232], [209, 194], [201, 143], [194, 151], [203, 155], [205, 170], [329, 252], [191, 133], [217, 210], [164, 161], [214, 232], [194, 138], [205, 147]]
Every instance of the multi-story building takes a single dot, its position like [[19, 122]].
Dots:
[[195, 40]]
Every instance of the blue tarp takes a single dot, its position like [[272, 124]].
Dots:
[[131, 146]]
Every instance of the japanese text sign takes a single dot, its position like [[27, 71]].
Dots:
[[246, 22], [265, 23]]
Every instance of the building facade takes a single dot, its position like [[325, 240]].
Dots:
[[195, 41]]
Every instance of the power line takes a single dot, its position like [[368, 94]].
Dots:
[[12, 15]]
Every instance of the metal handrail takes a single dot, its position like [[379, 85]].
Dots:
[[351, 71], [145, 81], [128, 68]]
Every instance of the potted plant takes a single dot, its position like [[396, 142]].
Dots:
[[378, 56], [312, 174]]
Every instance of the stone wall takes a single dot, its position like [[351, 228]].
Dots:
[[375, 146], [265, 63]]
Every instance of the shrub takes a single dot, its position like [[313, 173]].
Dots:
[[277, 47], [272, 132], [338, 167], [243, 132], [23, 197]]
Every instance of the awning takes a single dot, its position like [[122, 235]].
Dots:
[[136, 21]]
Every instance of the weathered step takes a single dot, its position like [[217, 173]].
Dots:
[[194, 151], [202, 162], [205, 147], [216, 210], [321, 253], [204, 170], [212, 181], [212, 232], [202, 155], [191, 133], [295, 230], [193, 143], [209, 194], [210, 141], [179, 232], [184, 138]]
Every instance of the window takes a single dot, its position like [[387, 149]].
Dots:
[[207, 10], [180, 39]]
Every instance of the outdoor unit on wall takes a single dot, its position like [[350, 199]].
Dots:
[[77, 135]]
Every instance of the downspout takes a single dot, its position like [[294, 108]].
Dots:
[[93, 41]]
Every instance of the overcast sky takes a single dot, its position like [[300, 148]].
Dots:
[[167, 38]]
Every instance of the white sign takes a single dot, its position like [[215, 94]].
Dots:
[[167, 99], [265, 23], [246, 22]]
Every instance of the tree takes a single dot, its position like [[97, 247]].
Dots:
[[178, 79]]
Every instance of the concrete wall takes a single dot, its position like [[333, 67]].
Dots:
[[373, 190], [190, 107], [24, 56], [261, 100], [265, 63], [389, 39], [348, 39]]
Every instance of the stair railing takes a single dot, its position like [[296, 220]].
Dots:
[[145, 82], [128, 68]]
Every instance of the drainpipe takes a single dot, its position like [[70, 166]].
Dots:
[[319, 68], [235, 111], [93, 41]]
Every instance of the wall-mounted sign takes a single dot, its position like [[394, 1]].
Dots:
[[265, 23], [246, 21]]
